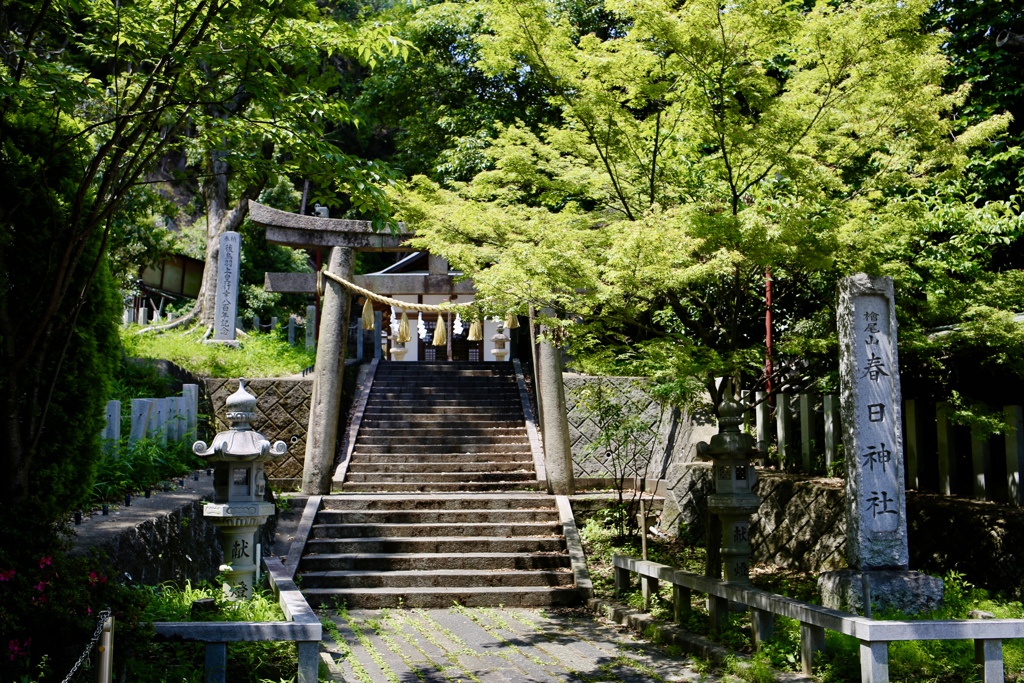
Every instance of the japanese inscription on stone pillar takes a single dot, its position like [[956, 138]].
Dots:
[[872, 433], [227, 287]]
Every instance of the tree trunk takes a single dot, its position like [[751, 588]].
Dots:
[[220, 218]]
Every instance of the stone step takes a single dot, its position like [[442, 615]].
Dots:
[[380, 598], [383, 400], [430, 367], [436, 578], [470, 423], [430, 459], [446, 370], [436, 530], [442, 383], [426, 467], [461, 396], [489, 501], [382, 438], [432, 430], [497, 515], [434, 561], [391, 411], [435, 544], [436, 487], [443, 448], [482, 476]]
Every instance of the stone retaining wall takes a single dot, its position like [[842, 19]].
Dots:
[[671, 437], [174, 547], [801, 525], [982, 540], [163, 538], [282, 408]]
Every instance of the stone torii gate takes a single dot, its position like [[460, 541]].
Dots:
[[343, 237]]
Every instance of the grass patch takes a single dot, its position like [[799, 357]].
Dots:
[[135, 467], [258, 354], [253, 662]]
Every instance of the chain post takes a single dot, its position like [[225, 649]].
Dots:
[[104, 617]]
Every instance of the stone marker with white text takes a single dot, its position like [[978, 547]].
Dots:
[[227, 288]]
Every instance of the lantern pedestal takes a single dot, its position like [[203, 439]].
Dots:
[[238, 523]]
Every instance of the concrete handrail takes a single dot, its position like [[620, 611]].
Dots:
[[302, 627], [874, 635]]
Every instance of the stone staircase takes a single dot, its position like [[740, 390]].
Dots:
[[435, 506], [433, 427], [430, 550]]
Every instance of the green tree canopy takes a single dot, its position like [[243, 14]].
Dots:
[[93, 95], [698, 147]]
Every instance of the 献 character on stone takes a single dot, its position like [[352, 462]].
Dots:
[[240, 549]]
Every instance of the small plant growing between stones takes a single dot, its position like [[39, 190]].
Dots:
[[623, 439]]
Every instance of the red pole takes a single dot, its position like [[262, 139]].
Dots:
[[768, 331]]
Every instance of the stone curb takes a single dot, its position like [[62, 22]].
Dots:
[[670, 634]]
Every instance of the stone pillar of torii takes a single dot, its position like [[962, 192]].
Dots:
[[341, 238]]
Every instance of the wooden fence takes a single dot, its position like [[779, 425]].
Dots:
[[939, 456]]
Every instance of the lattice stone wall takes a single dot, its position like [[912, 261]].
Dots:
[[583, 428], [801, 523], [282, 407]]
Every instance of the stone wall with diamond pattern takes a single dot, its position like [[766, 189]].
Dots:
[[671, 435], [282, 408]]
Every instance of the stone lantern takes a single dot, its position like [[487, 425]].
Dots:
[[500, 339], [399, 351], [239, 485], [730, 453]]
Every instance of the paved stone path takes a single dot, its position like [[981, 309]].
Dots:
[[493, 645]]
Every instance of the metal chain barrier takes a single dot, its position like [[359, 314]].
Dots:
[[104, 615]]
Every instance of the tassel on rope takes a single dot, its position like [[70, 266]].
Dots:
[[403, 329], [440, 336], [368, 315], [511, 321], [476, 331]]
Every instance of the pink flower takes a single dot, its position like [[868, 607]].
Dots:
[[16, 648], [45, 562], [41, 586], [7, 575], [95, 578]]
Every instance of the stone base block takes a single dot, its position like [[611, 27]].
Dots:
[[233, 343], [907, 591]]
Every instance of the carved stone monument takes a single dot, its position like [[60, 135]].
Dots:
[[876, 513], [226, 308]]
